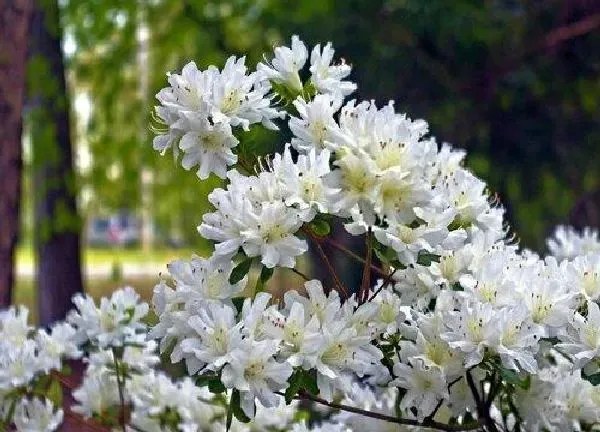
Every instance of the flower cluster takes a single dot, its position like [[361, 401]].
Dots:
[[29, 399], [453, 326]]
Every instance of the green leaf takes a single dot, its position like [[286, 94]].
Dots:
[[512, 377], [265, 275], [240, 270], [216, 386], [301, 380], [55, 393], [236, 408], [425, 258], [594, 379], [238, 302], [319, 227]]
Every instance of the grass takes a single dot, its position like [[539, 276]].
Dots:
[[103, 256]]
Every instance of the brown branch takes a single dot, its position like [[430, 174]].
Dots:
[[432, 424], [353, 255], [550, 40], [337, 281], [363, 293], [299, 273]]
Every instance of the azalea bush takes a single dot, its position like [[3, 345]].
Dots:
[[453, 326]]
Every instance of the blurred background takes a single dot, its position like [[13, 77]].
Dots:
[[514, 82]]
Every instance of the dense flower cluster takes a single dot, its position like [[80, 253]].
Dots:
[[453, 326]]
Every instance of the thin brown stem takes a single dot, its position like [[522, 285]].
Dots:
[[354, 256], [337, 281], [120, 385], [365, 286], [384, 284], [303, 395], [299, 273], [482, 410]]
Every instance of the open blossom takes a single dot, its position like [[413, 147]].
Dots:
[[315, 127], [328, 78], [59, 343], [286, 64], [14, 329], [18, 365], [567, 243], [204, 279], [116, 321], [199, 109], [34, 415], [256, 374], [583, 275], [216, 335], [425, 386], [581, 338]]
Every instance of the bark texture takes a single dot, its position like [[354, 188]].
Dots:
[[14, 21], [57, 224]]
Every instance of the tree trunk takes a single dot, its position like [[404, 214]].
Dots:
[[57, 225], [14, 20]]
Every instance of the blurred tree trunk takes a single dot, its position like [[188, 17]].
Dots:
[[57, 224], [14, 20]]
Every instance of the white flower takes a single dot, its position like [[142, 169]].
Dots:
[[341, 351], [241, 99], [304, 182], [516, 338], [252, 214], [33, 415], [115, 322], [18, 364], [425, 386], [581, 339], [582, 274], [323, 306], [256, 374], [328, 78], [390, 314], [216, 335], [298, 332], [471, 330], [315, 128], [271, 236], [285, 65], [208, 146], [97, 393], [205, 279], [14, 329], [59, 343], [356, 178], [567, 243]]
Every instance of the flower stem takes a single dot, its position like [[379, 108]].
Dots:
[[303, 395], [353, 255], [120, 386], [337, 281], [365, 286]]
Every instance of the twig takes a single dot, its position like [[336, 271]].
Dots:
[[120, 386], [353, 255], [299, 273], [340, 286], [363, 293], [384, 284], [89, 423], [482, 411], [303, 395]]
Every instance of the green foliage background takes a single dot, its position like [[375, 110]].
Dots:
[[483, 73]]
